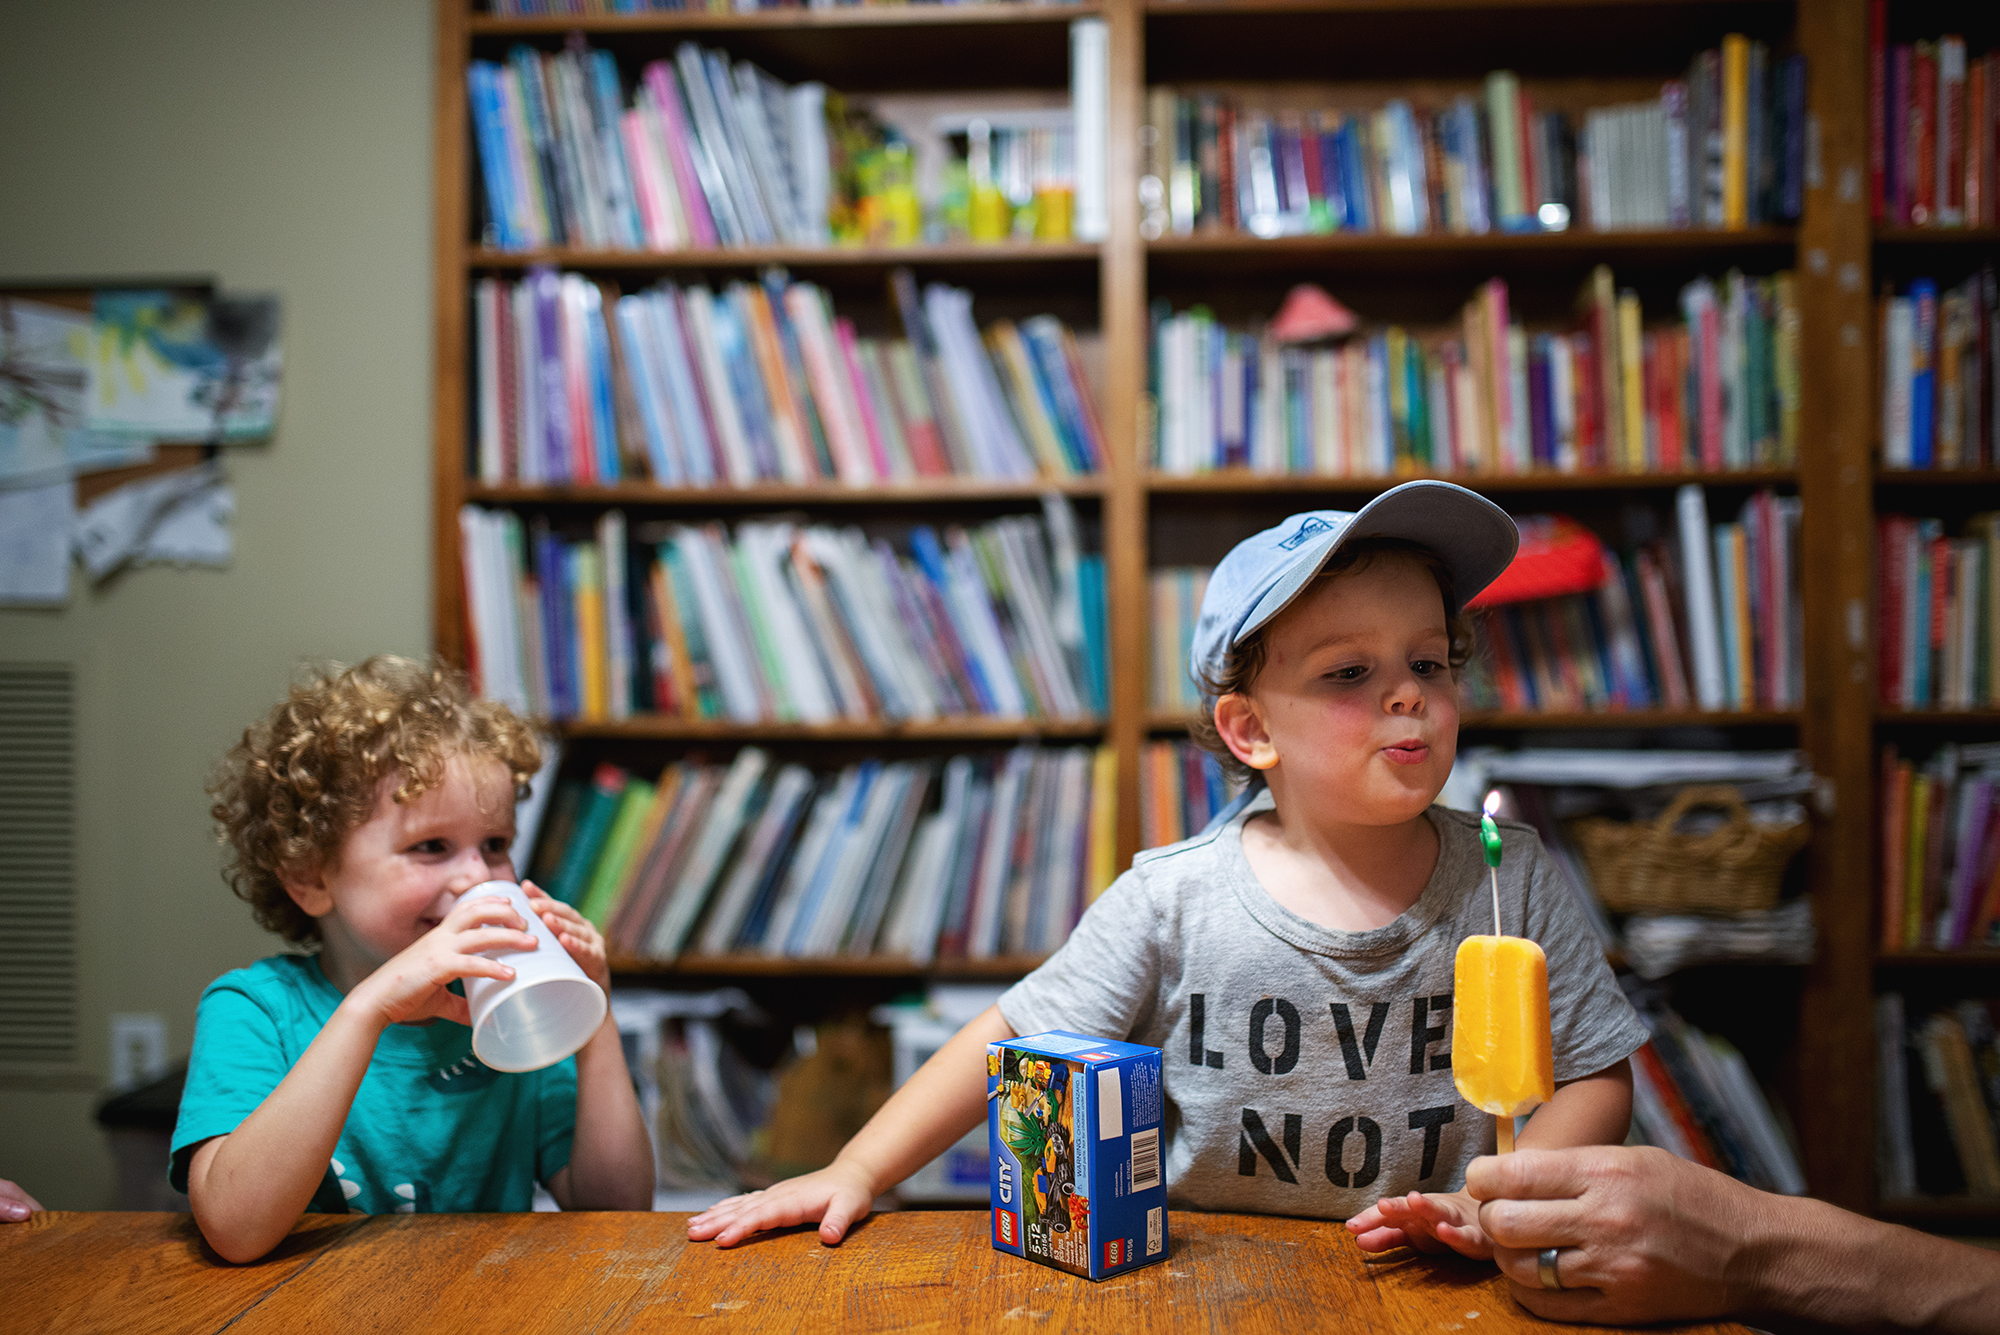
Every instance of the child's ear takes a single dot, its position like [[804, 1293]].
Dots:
[[308, 890], [1241, 726]]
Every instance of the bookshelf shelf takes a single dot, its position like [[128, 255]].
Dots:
[[1937, 236], [1938, 477], [1938, 718], [1938, 1210], [876, 17], [661, 728], [854, 48], [1243, 482], [1451, 255], [873, 966], [1523, 720], [858, 260], [1937, 959], [935, 491]]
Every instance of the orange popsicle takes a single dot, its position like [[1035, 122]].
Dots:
[[1500, 1048]]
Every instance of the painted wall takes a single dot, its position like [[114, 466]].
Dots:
[[279, 146]]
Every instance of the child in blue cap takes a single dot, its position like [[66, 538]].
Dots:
[[1295, 960]]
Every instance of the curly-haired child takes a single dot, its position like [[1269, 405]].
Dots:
[[357, 814], [1295, 959]]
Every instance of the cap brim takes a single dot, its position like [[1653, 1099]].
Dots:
[[1474, 538]]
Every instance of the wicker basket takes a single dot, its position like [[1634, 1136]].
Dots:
[[1653, 868]]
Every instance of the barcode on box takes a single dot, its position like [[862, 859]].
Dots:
[[1156, 1230], [1145, 1159]]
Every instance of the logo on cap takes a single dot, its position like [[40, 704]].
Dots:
[[1314, 524]]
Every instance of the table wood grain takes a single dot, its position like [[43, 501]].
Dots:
[[916, 1271]]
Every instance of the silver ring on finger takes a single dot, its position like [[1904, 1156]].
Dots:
[[1545, 1264]]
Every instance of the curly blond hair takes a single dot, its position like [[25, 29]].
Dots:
[[305, 776], [1245, 660]]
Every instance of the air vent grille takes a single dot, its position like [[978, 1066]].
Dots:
[[37, 864]]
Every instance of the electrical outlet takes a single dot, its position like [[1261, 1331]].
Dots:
[[138, 1048]]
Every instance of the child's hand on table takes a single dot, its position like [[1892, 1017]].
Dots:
[[1428, 1221], [584, 942], [412, 985], [836, 1196]]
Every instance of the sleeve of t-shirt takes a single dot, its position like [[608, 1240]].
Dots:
[[237, 1061], [1105, 979], [555, 1118], [1591, 1023]]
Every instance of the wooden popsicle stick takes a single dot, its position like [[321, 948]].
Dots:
[[1504, 1126]]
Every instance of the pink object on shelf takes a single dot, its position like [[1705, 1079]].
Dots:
[[1309, 314]]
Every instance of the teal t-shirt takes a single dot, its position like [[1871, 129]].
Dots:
[[432, 1129]]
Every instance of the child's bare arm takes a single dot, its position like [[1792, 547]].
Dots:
[[941, 1102], [611, 1159], [1596, 1110], [248, 1188]]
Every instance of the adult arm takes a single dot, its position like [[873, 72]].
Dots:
[[1647, 1236], [940, 1103]]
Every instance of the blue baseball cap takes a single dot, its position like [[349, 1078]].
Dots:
[[1262, 574]]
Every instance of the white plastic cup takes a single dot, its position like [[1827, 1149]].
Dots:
[[546, 1011]]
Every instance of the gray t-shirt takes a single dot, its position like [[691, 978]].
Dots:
[[1308, 1071]]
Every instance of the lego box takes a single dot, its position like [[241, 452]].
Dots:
[[1073, 1124]]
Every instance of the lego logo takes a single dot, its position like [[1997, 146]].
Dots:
[[1006, 1228], [1114, 1252]]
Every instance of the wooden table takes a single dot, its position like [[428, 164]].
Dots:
[[916, 1271]]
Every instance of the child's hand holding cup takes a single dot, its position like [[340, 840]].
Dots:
[[546, 1011]]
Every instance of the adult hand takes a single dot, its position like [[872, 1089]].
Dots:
[[412, 985], [15, 1204], [1643, 1235]]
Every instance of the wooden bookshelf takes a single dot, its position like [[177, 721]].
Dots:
[[1612, 44]]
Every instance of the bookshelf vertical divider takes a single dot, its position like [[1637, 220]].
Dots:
[[1833, 1100], [451, 206], [1122, 279]]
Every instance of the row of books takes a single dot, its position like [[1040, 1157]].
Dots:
[[1937, 614], [706, 153], [782, 622], [702, 151], [1176, 594], [1940, 848], [1722, 148], [1694, 1095], [1718, 391], [1933, 122], [1940, 365], [973, 856], [763, 382], [1938, 1099], [1181, 788], [1710, 621]]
